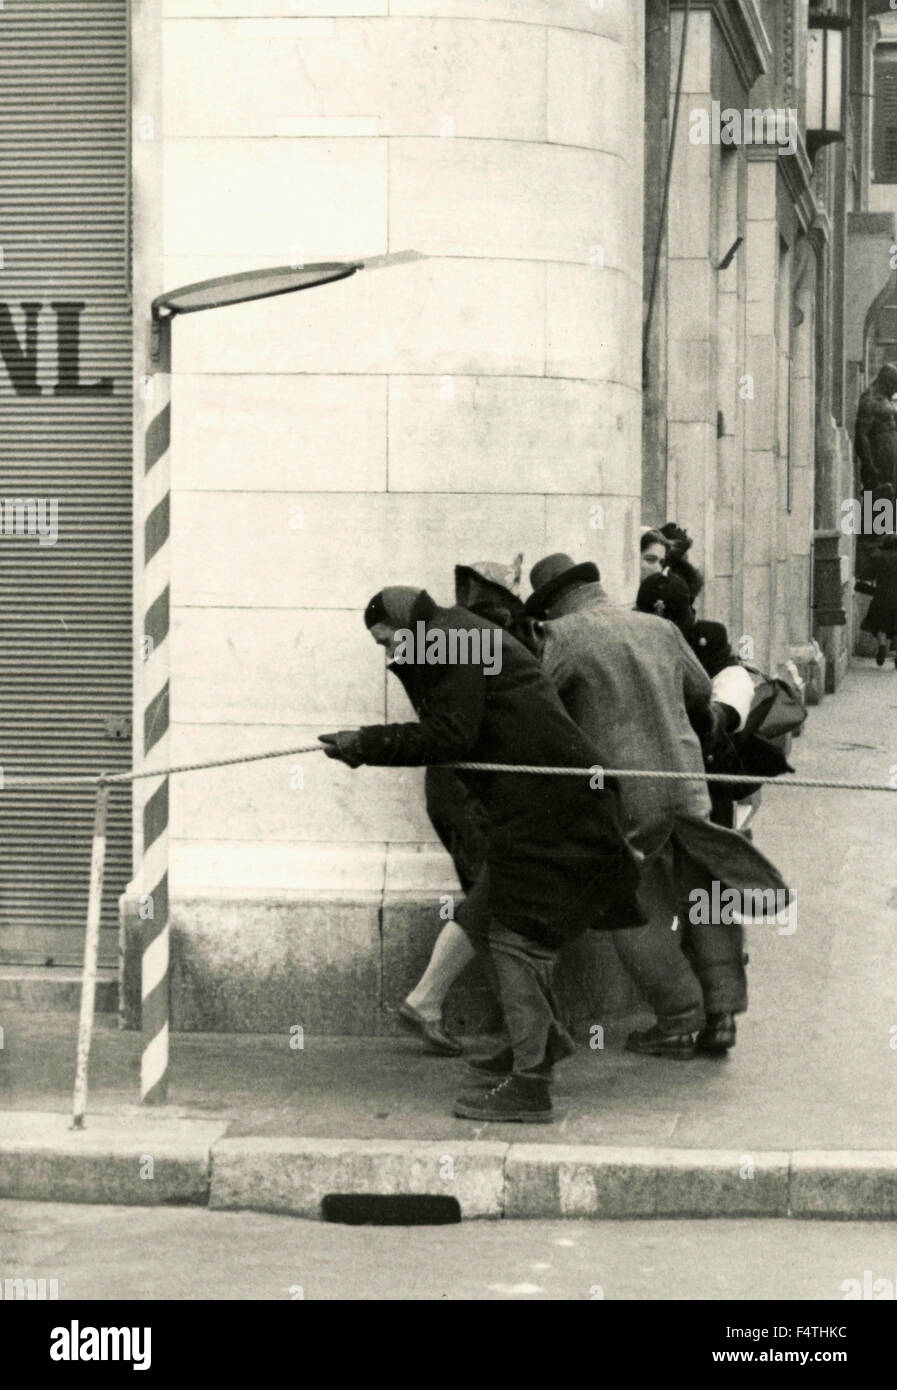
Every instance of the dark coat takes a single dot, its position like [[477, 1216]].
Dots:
[[555, 852], [459, 818], [710, 643], [875, 441], [882, 613], [455, 809]]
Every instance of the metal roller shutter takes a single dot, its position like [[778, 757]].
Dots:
[[65, 437]]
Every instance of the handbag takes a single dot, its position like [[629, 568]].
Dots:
[[776, 709]]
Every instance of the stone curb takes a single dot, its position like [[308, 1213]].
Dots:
[[193, 1162], [294, 1175], [130, 1160]]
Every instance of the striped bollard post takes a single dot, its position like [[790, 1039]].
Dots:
[[156, 740]]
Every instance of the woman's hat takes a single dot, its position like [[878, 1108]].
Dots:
[[665, 595], [551, 576], [488, 576]]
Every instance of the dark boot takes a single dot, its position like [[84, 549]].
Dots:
[[660, 1042], [880, 656], [517, 1099], [717, 1035]]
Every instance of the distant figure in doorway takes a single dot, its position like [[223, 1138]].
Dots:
[[881, 618]]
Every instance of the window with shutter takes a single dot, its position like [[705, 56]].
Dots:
[[65, 442], [884, 132]]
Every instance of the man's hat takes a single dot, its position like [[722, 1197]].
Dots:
[[551, 576]]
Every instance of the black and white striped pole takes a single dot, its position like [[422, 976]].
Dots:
[[205, 294]]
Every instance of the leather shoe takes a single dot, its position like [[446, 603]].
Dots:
[[717, 1035], [658, 1042], [431, 1030]]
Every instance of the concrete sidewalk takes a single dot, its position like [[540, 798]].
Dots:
[[815, 1068]]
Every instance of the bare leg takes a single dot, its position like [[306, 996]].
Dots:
[[451, 953]]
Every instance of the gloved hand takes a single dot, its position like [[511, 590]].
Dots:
[[344, 746], [715, 723]]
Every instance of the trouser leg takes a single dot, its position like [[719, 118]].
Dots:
[[718, 958], [519, 970], [474, 919], [716, 951], [653, 953], [523, 969]]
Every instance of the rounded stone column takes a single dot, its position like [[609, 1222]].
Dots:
[[483, 401]]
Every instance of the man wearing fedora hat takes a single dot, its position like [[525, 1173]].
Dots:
[[634, 686]]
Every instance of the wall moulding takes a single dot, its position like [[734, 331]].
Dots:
[[742, 27]]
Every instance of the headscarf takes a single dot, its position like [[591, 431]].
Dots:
[[393, 606]]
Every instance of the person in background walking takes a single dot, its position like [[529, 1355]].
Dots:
[[556, 861], [881, 618], [875, 435]]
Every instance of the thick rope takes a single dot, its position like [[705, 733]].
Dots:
[[739, 779]]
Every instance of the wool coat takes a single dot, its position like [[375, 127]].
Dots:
[[875, 440], [882, 612], [633, 685]]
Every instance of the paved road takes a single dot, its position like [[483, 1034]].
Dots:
[[182, 1253]]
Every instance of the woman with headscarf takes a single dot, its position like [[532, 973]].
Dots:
[[875, 435], [556, 861], [881, 618]]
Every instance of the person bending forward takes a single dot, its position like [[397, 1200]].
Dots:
[[556, 861]]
